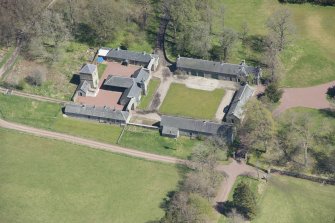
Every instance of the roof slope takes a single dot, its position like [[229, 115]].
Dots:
[[194, 125], [241, 98], [216, 67], [141, 75], [96, 112], [129, 55], [118, 81], [88, 69]]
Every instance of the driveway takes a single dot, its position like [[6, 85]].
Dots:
[[309, 97]]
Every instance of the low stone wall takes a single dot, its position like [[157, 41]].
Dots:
[[303, 176]]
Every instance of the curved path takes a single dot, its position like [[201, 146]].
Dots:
[[309, 97], [89, 143], [233, 170]]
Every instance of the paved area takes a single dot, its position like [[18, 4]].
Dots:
[[309, 97], [233, 170], [229, 94], [163, 88], [106, 97]]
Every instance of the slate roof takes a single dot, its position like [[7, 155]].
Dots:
[[96, 112], [88, 69], [216, 67], [84, 86], [129, 55], [117, 81], [193, 125], [141, 74], [240, 99], [170, 131]]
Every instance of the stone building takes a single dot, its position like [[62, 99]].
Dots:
[[222, 71], [235, 113]]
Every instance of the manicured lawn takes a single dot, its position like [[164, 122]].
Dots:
[[45, 180], [146, 100], [151, 141], [48, 116], [183, 101], [288, 199], [309, 60]]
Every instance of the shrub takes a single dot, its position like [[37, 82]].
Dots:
[[244, 200], [273, 93], [36, 78]]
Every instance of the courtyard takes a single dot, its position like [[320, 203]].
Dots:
[[188, 102], [106, 97]]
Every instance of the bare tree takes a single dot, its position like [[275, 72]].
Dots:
[[244, 31], [281, 27], [228, 40]]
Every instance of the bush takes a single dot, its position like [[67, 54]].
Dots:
[[273, 93], [244, 200], [36, 78], [331, 92]]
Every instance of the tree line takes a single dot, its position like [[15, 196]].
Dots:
[[41, 30], [293, 141], [317, 2]]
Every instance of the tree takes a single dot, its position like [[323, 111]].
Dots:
[[271, 58], [258, 129], [281, 27], [273, 93], [228, 40], [244, 200], [244, 32], [305, 137]]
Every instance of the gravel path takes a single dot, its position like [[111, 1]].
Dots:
[[309, 97], [233, 170], [224, 102], [89, 143]]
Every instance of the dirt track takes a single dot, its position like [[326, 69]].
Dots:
[[89, 143]]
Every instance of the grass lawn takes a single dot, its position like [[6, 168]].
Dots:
[[288, 199], [150, 140], [45, 180], [48, 116], [146, 100], [183, 101], [101, 69], [308, 61]]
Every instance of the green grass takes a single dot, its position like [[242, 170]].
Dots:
[[288, 199], [45, 180], [7, 55], [146, 100], [101, 69], [48, 116], [308, 60], [183, 101], [151, 141]]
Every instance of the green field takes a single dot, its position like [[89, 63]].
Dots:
[[51, 181], [183, 101], [48, 116], [151, 140], [286, 199], [309, 60], [146, 100]]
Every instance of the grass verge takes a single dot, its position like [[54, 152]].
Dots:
[[146, 100]]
